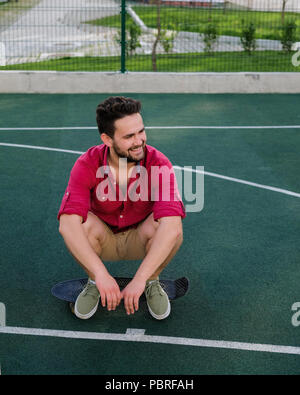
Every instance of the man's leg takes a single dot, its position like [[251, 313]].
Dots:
[[98, 235], [101, 239], [157, 299], [146, 231]]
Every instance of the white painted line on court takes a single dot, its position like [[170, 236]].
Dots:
[[2, 322], [237, 180], [2, 315], [52, 128], [158, 127], [41, 148], [135, 332], [129, 337], [226, 127]]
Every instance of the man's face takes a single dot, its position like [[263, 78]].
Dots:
[[130, 138]]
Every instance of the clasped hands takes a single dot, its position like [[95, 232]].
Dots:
[[111, 295]]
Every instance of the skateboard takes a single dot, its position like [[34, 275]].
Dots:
[[70, 289]]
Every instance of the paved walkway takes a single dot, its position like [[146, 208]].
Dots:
[[51, 29]]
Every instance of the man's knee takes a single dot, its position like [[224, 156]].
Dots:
[[94, 228], [178, 239], [147, 229]]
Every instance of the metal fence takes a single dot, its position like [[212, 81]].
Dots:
[[150, 35]]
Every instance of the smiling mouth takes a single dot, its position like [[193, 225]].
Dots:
[[136, 150]]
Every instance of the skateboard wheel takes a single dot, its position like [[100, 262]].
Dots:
[[72, 307]]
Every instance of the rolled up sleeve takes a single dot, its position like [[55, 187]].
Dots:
[[77, 197], [167, 200]]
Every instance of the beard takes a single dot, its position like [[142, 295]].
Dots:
[[128, 154]]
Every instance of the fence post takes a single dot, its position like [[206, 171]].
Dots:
[[123, 36]]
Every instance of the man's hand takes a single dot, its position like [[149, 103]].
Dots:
[[131, 295], [109, 291]]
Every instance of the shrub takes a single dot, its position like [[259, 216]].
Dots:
[[133, 38], [210, 37], [248, 38], [167, 38], [133, 33], [288, 36]]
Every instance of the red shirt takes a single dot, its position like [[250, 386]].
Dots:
[[151, 188]]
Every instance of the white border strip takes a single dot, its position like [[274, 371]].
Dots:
[[139, 337], [224, 127], [238, 180], [26, 81]]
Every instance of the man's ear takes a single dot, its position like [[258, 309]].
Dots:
[[106, 139]]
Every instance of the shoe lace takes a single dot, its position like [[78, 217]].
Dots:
[[154, 288], [91, 289]]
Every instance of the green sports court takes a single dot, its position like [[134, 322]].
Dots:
[[241, 252]]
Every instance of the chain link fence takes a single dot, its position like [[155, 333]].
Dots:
[[150, 35]]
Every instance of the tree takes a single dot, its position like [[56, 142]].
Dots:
[[210, 11], [283, 10], [158, 34], [225, 4]]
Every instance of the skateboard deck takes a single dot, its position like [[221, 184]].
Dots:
[[70, 289]]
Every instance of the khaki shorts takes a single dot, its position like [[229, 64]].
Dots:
[[122, 246]]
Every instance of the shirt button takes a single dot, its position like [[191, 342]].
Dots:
[[121, 216]]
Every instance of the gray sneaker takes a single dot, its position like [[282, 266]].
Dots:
[[87, 301], [157, 300]]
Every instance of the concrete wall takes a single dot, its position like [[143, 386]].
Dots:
[[76, 82], [268, 5]]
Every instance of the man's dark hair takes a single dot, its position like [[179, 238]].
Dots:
[[112, 109]]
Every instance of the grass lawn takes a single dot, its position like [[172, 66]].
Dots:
[[259, 61], [268, 24]]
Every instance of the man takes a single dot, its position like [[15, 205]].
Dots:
[[113, 212]]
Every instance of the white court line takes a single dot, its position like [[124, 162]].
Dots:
[[52, 128], [2, 315], [131, 336], [238, 180], [158, 127], [41, 148], [226, 127]]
